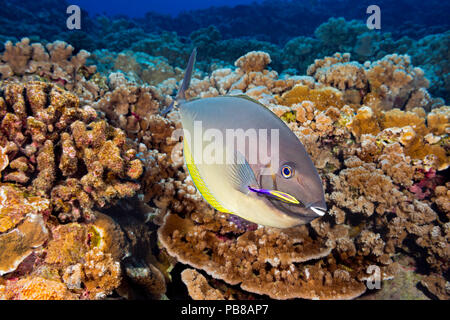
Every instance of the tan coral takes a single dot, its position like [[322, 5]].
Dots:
[[198, 286], [19, 243], [55, 62], [253, 61], [256, 251], [438, 120], [86, 143], [338, 72], [394, 79], [102, 273]]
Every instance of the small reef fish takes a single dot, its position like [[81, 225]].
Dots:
[[280, 187]]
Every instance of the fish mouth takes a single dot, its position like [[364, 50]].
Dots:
[[308, 211], [319, 211], [319, 208]]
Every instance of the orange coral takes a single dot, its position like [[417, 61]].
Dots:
[[322, 97], [19, 243], [102, 273], [36, 288], [16, 203], [364, 122]]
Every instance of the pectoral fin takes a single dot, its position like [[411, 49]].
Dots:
[[240, 173]]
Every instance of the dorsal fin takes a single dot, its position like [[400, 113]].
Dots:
[[185, 84], [187, 76]]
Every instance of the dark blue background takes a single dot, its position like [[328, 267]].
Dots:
[[137, 8]]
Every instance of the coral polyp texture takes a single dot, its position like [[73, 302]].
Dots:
[[68, 153], [96, 198]]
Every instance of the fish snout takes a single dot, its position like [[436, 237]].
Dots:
[[319, 208]]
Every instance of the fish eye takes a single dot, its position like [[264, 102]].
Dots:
[[287, 171]]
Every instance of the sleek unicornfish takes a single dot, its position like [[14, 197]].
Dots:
[[245, 161]]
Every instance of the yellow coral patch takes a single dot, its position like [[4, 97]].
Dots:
[[322, 98]]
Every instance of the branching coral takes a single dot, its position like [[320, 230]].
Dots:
[[65, 151], [54, 63], [394, 80], [338, 72]]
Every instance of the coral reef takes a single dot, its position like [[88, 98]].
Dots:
[[55, 63], [368, 158], [64, 151], [198, 286], [298, 33], [96, 198]]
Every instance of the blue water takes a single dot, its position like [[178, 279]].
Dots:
[[137, 8]]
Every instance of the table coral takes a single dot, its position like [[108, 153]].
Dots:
[[198, 286], [67, 152]]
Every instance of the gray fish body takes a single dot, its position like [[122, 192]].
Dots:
[[234, 117]]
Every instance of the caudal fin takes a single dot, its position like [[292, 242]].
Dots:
[[185, 84]]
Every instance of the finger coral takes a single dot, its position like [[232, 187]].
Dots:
[[67, 152], [53, 63]]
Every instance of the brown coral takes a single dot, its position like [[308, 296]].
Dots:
[[253, 61], [198, 286], [58, 139], [55, 63], [18, 244]]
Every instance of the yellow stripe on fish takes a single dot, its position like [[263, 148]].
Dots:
[[284, 196], [198, 181]]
